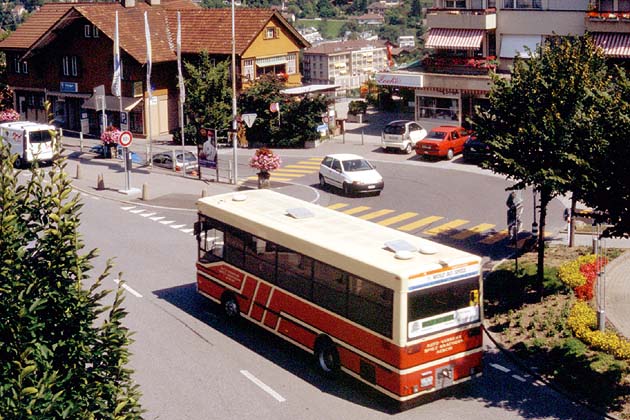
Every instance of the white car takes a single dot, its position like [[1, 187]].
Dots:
[[351, 173], [402, 135]]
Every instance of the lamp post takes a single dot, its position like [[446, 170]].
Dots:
[[234, 137]]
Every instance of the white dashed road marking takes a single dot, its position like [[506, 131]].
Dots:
[[499, 367], [519, 378], [129, 289], [167, 222], [263, 386], [177, 226], [147, 214], [155, 219]]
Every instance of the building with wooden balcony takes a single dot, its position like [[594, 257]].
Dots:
[[468, 38]]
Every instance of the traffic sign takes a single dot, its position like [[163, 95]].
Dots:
[[249, 119], [125, 139]]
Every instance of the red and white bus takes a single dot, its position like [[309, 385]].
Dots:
[[397, 312]]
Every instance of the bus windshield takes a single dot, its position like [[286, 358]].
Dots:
[[444, 306], [39, 136]]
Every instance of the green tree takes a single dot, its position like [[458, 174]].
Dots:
[[539, 122], [292, 126], [63, 354], [604, 184], [208, 96], [325, 9]]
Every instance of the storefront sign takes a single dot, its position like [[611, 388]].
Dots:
[[68, 87], [401, 80]]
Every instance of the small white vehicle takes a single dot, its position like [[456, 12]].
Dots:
[[351, 173], [30, 141], [402, 135]]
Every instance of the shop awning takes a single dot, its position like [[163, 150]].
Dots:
[[454, 39], [614, 44], [271, 61], [112, 103], [513, 45]]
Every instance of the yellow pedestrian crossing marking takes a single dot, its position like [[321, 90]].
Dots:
[[293, 171], [316, 158], [492, 239], [356, 210], [376, 214], [337, 206], [446, 227], [467, 233], [419, 223], [443, 229], [396, 219], [302, 168]]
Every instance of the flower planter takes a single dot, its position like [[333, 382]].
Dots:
[[264, 179]]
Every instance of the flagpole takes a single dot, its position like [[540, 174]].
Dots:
[[147, 36], [181, 90], [234, 112], [117, 91]]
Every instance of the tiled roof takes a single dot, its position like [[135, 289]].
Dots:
[[202, 29], [36, 25], [343, 47]]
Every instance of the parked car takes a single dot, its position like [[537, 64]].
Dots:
[[135, 158], [402, 135], [475, 150], [187, 160], [351, 173], [443, 141]]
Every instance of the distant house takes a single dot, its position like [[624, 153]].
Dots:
[[380, 7], [369, 19], [347, 64], [64, 51]]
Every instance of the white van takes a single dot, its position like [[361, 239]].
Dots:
[[30, 141]]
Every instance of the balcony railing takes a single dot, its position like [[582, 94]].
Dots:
[[462, 18], [609, 16], [459, 65], [475, 12]]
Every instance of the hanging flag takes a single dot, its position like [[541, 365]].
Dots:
[[274, 107], [182, 89], [116, 81], [390, 60], [147, 35]]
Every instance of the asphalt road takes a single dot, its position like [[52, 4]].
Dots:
[[193, 364]]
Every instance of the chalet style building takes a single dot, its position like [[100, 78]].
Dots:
[[65, 50]]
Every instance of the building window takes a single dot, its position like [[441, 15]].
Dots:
[[70, 65], [90, 31], [16, 65], [248, 68], [455, 4], [522, 4], [271, 32], [291, 67], [24, 67], [19, 66]]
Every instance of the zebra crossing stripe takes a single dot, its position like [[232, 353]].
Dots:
[[136, 211], [306, 168], [446, 227], [318, 159], [128, 208], [495, 238], [155, 219], [177, 226], [187, 230], [376, 214], [293, 171], [419, 223], [396, 219], [147, 214], [337, 206], [167, 222], [356, 210], [464, 234]]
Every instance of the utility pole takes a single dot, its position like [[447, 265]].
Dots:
[[234, 112]]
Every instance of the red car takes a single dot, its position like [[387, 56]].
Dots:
[[443, 141]]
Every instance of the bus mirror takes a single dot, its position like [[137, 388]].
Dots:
[[197, 228]]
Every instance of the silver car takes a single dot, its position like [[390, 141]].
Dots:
[[187, 160], [402, 135]]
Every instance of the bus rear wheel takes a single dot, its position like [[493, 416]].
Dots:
[[19, 162], [327, 357], [230, 306]]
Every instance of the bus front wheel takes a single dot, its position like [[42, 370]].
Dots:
[[327, 357], [230, 306]]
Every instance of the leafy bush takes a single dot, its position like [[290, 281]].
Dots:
[[357, 107]]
